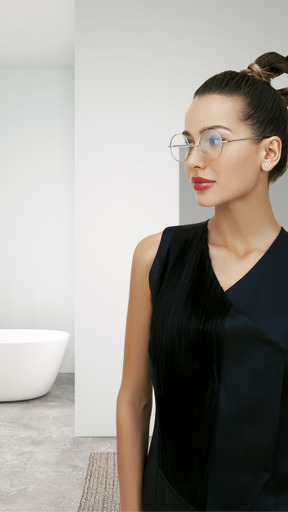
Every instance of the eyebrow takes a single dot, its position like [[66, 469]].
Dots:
[[213, 127]]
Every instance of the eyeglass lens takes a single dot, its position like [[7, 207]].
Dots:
[[210, 145], [179, 147]]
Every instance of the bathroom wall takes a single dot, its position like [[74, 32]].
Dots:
[[37, 200], [137, 65]]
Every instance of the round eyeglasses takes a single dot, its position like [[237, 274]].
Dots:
[[210, 144]]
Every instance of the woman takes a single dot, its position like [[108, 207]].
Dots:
[[207, 318]]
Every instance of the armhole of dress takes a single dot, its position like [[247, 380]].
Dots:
[[159, 258]]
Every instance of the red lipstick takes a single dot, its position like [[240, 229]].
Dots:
[[201, 183]]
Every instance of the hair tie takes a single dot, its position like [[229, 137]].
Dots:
[[255, 70]]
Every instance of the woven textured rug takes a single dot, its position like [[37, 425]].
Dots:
[[101, 489]]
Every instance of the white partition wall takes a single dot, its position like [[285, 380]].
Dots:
[[137, 65]]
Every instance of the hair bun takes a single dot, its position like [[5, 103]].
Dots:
[[269, 66]]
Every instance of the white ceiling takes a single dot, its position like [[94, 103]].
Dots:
[[37, 33]]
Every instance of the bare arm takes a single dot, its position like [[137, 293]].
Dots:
[[135, 396]]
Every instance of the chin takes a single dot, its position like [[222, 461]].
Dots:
[[206, 205], [205, 202]]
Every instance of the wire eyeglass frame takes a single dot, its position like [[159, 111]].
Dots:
[[190, 145]]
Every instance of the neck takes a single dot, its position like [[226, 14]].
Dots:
[[245, 224]]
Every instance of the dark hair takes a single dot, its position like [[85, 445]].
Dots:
[[265, 107]]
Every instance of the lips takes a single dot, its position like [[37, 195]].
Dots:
[[202, 183], [198, 179]]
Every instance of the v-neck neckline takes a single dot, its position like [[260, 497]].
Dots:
[[251, 270]]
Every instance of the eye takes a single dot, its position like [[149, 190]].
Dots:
[[215, 140]]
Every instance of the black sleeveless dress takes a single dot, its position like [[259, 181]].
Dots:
[[220, 440]]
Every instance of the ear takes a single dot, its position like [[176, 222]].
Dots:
[[272, 152]]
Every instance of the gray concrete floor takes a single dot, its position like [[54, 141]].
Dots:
[[42, 464]]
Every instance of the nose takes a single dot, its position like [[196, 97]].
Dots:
[[195, 159]]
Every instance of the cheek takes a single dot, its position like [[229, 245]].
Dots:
[[238, 178], [241, 171]]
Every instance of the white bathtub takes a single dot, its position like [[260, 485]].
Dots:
[[29, 362]]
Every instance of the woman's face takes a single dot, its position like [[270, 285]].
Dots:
[[236, 173]]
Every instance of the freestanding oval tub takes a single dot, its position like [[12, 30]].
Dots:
[[29, 362]]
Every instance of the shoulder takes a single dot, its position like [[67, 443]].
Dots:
[[152, 249], [146, 250], [158, 244]]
